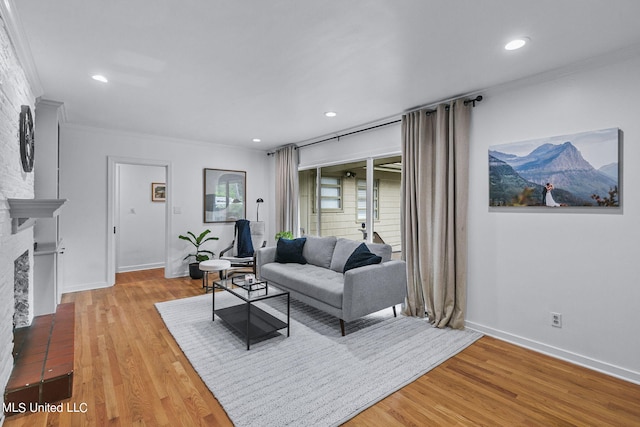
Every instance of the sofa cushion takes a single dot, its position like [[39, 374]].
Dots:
[[360, 257], [343, 250], [381, 249], [319, 250], [316, 282], [290, 251], [345, 247]]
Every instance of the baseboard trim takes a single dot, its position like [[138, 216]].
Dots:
[[558, 353], [128, 268], [176, 273], [100, 285], [85, 287]]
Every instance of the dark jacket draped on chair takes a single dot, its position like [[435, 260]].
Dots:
[[243, 232]]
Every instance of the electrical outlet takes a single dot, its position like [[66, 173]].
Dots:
[[556, 320]]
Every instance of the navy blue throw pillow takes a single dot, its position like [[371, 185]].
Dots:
[[360, 257], [290, 251]]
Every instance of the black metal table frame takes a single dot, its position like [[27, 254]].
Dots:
[[257, 312]]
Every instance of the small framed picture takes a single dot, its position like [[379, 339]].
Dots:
[[158, 192]]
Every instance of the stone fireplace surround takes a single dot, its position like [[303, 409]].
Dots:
[[21, 291]]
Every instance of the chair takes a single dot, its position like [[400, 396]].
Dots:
[[242, 264]]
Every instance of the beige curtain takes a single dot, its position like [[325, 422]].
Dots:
[[435, 181], [287, 189]]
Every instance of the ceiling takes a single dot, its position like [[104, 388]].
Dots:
[[228, 71]]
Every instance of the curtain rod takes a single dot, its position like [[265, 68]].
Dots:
[[349, 133], [339, 136], [466, 102]]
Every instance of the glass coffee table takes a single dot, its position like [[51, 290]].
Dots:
[[247, 319]]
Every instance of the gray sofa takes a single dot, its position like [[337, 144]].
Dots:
[[322, 284]]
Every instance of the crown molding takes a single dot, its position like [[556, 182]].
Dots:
[[18, 37], [62, 112], [152, 137]]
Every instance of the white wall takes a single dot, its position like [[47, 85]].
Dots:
[[523, 266], [375, 143], [83, 181], [141, 237]]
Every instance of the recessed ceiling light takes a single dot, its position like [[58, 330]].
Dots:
[[330, 114], [256, 140], [516, 43], [100, 78]]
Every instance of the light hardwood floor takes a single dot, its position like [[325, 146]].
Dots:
[[129, 371]]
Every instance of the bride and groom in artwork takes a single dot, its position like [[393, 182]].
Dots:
[[547, 198]]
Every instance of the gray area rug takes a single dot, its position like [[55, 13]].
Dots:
[[315, 377]]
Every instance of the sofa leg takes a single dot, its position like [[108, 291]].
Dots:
[[394, 311], [342, 326]]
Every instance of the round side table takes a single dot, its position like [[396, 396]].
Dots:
[[212, 265]]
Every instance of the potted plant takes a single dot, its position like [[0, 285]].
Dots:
[[200, 254], [284, 235]]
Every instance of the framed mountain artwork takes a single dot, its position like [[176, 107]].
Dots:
[[579, 170]]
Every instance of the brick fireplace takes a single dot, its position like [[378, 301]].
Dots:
[[14, 183]]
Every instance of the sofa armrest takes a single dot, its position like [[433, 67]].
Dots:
[[264, 256], [373, 287]]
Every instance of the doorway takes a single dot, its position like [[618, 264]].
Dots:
[[138, 223], [140, 217]]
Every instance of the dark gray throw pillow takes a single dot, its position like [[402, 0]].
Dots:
[[360, 257], [290, 251]]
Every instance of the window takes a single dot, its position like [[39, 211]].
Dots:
[[361, 206], [342, 189], [330, 193]]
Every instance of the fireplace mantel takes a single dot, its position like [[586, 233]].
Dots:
[[25, 211]]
